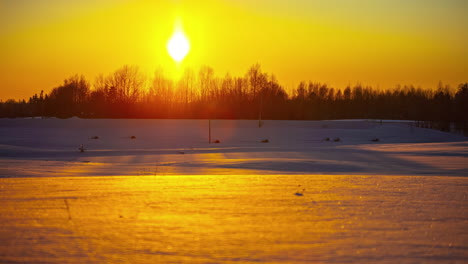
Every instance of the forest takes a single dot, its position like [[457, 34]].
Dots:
[[127, 93]]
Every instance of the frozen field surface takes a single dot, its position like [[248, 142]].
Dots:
[[167, 196], [45, 148]]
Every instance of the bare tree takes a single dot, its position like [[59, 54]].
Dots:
[[256, 80], [128, 83], [205, 81]]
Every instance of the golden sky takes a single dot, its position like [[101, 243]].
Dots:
[[339, 42]]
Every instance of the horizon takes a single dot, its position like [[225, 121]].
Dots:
[[379, 44], [233, 131], [149, 82]]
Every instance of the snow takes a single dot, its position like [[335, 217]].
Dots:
[[49, 147], [168, 196]]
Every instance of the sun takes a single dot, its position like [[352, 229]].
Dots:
[[178, 46]]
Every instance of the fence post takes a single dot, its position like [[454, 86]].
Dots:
[[209, 131]]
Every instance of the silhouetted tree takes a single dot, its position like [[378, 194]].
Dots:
[[461, 103], [69, 98], [123, 94]]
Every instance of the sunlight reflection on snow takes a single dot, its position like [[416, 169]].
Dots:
[[212, 218]]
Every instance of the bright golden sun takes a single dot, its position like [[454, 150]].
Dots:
[[178, 46]]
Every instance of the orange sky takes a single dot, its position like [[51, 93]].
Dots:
[[339, 42]]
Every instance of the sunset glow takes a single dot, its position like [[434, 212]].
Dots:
[[178, 46], [233, 131], [378, 43]]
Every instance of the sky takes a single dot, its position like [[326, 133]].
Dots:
[[381, 43]]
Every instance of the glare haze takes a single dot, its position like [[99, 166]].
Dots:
[[379, 43]]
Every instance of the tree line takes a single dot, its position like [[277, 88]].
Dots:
[[127, 93]]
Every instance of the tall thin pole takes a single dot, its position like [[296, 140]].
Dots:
[[260, 113], [209, 131]]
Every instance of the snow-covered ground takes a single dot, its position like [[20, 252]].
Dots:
[[50, 148], [167, 196]]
